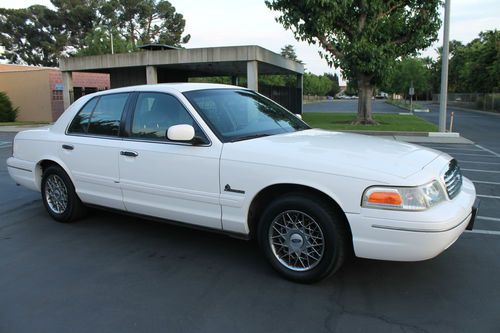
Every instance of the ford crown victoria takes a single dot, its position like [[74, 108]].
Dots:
[[228, 159]]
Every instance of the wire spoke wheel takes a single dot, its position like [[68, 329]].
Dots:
[[296, 240], [56, 194]]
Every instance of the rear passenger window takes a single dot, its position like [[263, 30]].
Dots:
[[81, 122], [101, 116]]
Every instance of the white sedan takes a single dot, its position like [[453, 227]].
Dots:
[[228, 159]]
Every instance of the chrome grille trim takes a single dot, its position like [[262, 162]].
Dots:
[[453, 179]]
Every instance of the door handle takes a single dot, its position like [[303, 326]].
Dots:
[[68, 147], [129, 153]]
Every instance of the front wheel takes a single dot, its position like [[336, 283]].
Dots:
[[59, 196], [303, 237]]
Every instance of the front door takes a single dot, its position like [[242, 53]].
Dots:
[[170, 180]]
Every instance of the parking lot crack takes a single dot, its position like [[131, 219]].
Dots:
[[338, 309]]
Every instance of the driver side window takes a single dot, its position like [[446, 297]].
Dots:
[[155, 113]]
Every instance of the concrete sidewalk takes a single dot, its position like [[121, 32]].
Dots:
[[16, 129]]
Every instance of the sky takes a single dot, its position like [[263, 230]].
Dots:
[[250, 22]]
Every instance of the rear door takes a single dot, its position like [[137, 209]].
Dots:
[[170, 180], [91, 149]]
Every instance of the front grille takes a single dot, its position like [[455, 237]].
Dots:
[[453, 179]]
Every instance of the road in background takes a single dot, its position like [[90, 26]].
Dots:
[[113, 273], [481, 127]]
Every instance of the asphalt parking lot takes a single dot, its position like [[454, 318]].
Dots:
[[114, 273]]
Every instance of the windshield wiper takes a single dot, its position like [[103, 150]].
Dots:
[[248, 137]]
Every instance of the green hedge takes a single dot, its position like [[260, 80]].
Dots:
[[7, 111]]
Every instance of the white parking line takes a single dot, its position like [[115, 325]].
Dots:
[[479, 170], [467, 154], [486, 218], [485, 232], [493, 163], [448, 148], [487, 196], [484, 182], [488, 150]]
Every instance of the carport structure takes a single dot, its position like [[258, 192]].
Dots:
[[160, 64]]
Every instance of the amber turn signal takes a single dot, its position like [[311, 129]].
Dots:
[[388, 198]]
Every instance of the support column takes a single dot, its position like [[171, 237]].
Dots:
[[443, 95], [253, 75], [67, 79], [151, 75], [300, 88]]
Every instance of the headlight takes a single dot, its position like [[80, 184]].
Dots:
[[404, 198]]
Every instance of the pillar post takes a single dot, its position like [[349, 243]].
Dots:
[[253, 75], [300, 88], [151, 75], [67, 79]]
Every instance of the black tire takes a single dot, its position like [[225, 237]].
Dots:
[[326, 218], [73, 209]]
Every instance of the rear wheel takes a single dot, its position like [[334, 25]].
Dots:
[[303, 237], [59, 196]]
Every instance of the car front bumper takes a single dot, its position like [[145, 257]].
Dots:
[[413, 236]]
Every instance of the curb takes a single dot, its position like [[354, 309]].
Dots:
[[418, 137], [403, 108]]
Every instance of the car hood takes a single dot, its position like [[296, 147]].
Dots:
[[353, 155]]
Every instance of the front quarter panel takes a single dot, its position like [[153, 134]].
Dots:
[[251, 178]]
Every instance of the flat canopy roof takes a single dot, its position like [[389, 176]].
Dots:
[[211, 61]]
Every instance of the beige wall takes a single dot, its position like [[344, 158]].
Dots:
[[30, 91]]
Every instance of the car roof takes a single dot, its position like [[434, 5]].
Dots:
[[169, 87]]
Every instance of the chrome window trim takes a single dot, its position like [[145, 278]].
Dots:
[[98, 98], [138, 139]]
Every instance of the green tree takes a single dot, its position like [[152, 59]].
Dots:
[[7, 111], [474, 67], [145, 21], [76, 18], [31, 35], [288, 51], [319, 85], [456, 61], [362, 37], [335, 87], [98, 41], [406, 71], [480, 70], [39, 36]]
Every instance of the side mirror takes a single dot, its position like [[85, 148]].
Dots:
[[181, 132]]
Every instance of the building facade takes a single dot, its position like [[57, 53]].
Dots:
[[38, 91]]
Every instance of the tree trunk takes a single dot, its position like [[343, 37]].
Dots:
[[365, 93]]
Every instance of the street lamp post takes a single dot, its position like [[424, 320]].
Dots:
[[443, 97], [112, 46]]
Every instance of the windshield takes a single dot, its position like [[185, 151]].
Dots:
[[236, 115]]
